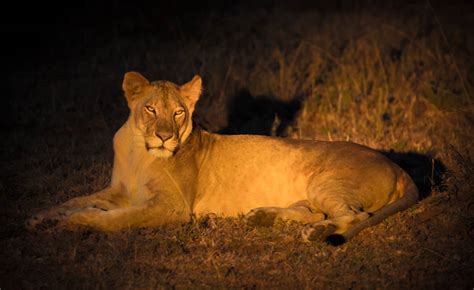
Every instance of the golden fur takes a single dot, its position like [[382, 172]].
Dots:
[[165, 170]]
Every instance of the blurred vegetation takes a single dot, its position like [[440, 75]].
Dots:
[[391, 75]]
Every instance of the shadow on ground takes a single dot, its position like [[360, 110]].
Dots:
[[260, 115], [426, 172]]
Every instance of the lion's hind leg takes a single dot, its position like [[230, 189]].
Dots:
[[300, 212], [336, 198]]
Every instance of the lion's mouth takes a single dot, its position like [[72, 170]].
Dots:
[[159, 151], [148, 147]]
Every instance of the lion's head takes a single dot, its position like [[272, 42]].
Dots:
[[161, 111]]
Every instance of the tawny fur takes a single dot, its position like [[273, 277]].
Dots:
[[165, 170]]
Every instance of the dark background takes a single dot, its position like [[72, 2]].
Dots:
[[64, 40], [38, 33]]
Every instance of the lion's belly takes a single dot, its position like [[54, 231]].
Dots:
[[243, 192]]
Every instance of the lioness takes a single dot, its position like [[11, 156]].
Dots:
[[165, 170]]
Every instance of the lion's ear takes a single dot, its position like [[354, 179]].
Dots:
[[191, 91], [133, 84]]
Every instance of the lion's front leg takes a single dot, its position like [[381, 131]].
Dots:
[[147, 215], [104, 200]]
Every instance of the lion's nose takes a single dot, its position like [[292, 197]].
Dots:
[[164, 135]]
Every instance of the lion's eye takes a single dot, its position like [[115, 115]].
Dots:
[[179, 112], [150, 109]]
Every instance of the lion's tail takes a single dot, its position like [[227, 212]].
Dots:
[[406, 186]]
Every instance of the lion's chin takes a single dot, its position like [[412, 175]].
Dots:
[[160, 152]]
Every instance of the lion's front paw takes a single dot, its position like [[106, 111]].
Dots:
[[40, 222], [32, 223], [45, 220]]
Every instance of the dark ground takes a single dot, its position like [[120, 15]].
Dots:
[[62, 104]]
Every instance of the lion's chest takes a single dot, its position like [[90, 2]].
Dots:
[[139, 186], [136, 173]]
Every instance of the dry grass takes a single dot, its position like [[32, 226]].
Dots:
[[394, 78]]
